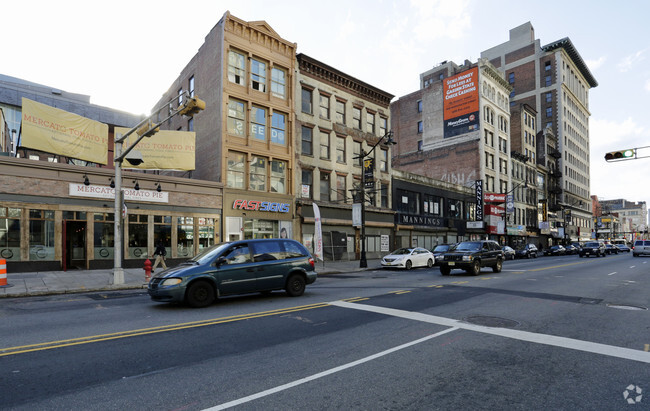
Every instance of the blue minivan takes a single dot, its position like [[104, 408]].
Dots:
[[236, 267]]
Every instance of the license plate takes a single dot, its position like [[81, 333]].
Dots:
[[387, 262], [452, 263]]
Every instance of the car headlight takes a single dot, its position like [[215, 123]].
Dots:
[[467, 258], [170, 281]]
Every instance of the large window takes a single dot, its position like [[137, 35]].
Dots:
[[258, 174], [324, 145], [185, 235], [258, 75], [278, 125], [258, 123], [356, 153], [340, 112], [162, 231], [206, 233], [341, 191], [307, 141], [340, 150], [138, 235], [104, 228], [370, 123], [278, 82], [455, 208], [408, 202], [324, 186], [306, 96], [324, 106], [432, 205], [236, 67], [383, 126], [278, 176], [307, 183], [10, 233], [383, 160], [236, 170], [356, 118], [41, 235], [236, 117]]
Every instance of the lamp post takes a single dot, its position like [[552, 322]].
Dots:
[[368, 165], [146, 128]]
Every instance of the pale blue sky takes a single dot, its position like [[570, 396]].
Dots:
[[124, 54]]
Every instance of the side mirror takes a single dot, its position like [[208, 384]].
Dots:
[[220, 261]]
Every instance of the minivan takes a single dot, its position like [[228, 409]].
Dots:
[[641, 247], [236, 267]]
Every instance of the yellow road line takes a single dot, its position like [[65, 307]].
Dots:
[[559, 266], [402, 292], [647, 347]]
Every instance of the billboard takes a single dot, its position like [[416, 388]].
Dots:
[[165, 150], [460, 103]]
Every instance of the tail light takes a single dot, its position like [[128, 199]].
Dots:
[[311, 261]]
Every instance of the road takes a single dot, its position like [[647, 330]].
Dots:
[[545, 333]]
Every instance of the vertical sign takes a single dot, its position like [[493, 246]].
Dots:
[[318, 234], [544, 210], [369, 172], [356, 215], [510, 204], [479, 200]]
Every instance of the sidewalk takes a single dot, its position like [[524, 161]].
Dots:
[[80, 281]]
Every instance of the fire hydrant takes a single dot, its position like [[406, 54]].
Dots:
[[147, 269]]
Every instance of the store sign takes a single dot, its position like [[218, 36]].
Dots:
[[105, 192], [420, 220], [256, 205], [475, 224], [495, 198], [479, 199]]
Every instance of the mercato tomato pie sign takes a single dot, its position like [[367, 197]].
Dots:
[[256, 205]]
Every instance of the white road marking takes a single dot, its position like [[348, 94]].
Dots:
[[612, 273], [632, 266], [326, 373]]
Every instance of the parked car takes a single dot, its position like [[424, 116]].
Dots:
[[236, 267], [508, 252], [622, 248], [571, 249], [611, 249], [527, 251], [577, 245], [595, 248], [641, 247], [439, 250], [555, 250], [471, 256], [408, 258]]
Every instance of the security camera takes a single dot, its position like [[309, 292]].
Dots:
[[134, 158]]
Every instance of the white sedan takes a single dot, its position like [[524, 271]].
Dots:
[[409, 257]]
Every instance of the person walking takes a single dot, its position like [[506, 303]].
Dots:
[[160, 254]]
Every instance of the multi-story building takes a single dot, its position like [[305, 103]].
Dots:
[[339, 119], [555, 81], [631, 216], [244, 71], [456, 128]]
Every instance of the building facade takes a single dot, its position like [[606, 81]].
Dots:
[[631, 217]]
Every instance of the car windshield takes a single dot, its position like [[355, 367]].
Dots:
[[592, 244], [468, 246], [209, 253], [440, 248], [402, 251]]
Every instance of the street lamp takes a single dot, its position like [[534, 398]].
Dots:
[[146, 128], [368, 166]]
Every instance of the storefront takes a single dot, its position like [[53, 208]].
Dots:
[[61, 217], [249, 215]]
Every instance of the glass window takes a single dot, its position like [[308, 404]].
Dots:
[[454, 208], [236, 67], [278, 121], [162, 231], [420, 127], [278, 82], [306, 96], [258, 75], [278, 176], [324, 145], [307, 183], [137, 235], [383, 126], [324, 106], [511, 78], [356, 118], [307, 143], [190, 124], [370, 123], [180, 97], [236, 117], [206, 232], [340, 112], [383, 160], [10, 233], [549, 112], [407, 202], [547, 81], [191, 86], [340, 149], [258, 123], [41, 235], [185, 236], [341, 191], [549, 97], [324, 186], [236, 170], [258, 174], [419, 106], [432, 205], [104, 233], [384, 195]]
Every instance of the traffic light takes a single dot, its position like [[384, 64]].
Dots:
[[620, 154], [147, 130], [192, 106]]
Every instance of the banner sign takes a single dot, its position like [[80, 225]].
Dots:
[[59, 132], [479, 200], [107, 193], [318, 234], [369, 172], [544, 210], [460, 103], [510, 204], [165, 150]]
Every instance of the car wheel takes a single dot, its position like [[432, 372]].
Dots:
[[476, 268], [429, 263], [634, 255], [445, 270], [408, 264], [534, 255], [529, 255], [295, 285], [497, 267], [199, 294]]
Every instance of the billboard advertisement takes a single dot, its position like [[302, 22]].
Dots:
[[460, 103]]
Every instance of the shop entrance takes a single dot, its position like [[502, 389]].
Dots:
[[74, 245]]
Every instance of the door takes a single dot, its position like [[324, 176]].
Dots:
[[74, 240], [237, 274]]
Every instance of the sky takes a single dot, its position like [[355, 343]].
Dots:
[[126, 54]]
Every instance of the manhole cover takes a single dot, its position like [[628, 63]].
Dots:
[[488, 321], [627, 307]]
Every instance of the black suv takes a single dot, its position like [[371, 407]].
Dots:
[[471, 256], [527, 251], [593, 248]]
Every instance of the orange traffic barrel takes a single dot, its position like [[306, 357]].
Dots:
[[3, 272]]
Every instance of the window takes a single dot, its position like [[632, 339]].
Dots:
[[340, 188], [407, 202], [420, 127], [432, 205], [356, 118], [340, 112], [306, 101], [307, 183], [384, 195], [419, 145], [10, 233], [236, 68], [356, 153], [236, 170], [454, 208], [307, 143], [324, 186], [383, 160], [278, 121], [258, 174], [503, 166], [419, 106], [278, 83], [503, 145], [340, 149], [549, 112], [547, 66], [258, 75], [547, 81], [512, 94], [191, 86], [190, 124], [511, 78], [504, 186], [370, 123], [549, 97], [324, 145], [324, 106], [383, 126], [258, 123], [236, 117], [180, 97], [278, 176]]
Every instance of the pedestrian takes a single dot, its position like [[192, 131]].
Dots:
[[160, 254]]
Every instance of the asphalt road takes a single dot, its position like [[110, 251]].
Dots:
[[546, 333]]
